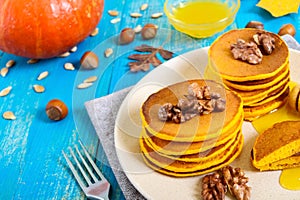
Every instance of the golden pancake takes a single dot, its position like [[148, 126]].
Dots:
[[179, 148], [246, 86], [214, 153], [251, 113], [279, 142], [221, 59], [169, 172], [290, 162], [184, 166], [250, 97], [283, 73], [199, 128], [273, 96]]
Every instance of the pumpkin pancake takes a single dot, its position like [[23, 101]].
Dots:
[[184, 166], [211, 168], [275, 79], [179, 148], [272, 96], [251, 113], [221, 59], [290, 162], [199, 128], [210, 135], [277, 145], [211, 155], [250, 97], [246, 86]]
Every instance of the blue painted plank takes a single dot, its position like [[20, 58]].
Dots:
[[31, 163], [249, 11]]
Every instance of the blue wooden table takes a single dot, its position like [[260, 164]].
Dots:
[[31, 163]]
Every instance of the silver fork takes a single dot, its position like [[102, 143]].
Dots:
[[93, 187]]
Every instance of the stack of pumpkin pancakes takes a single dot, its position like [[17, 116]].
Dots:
[[264, 86], [199, 145]]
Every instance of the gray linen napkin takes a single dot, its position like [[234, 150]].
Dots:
[[103, 112]]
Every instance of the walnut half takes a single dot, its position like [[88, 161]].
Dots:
[[213, 188], [236, 182], [215, 185], [198, 101], [246, 51], [266, 41]]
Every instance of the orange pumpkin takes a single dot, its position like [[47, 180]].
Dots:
[[46, 28]]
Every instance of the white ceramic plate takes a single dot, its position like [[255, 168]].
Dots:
[[153, 185]]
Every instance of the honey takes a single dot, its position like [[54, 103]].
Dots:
[[201, 18], [289, 178], [199, 12], [283, 113]]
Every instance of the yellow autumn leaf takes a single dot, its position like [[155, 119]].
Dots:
[[278, 8]]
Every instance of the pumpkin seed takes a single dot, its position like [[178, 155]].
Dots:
[[5, 91], [84, 85], [113, 13], [42, 75], [108, 52], [9, 115], [74, 49], [64, 55], [32, 61], [4, 71], [38, 88], [135, 15], [94, 32], [138, 29], [115, 20], [90, 79], [10, 63], [69, 66], [156, 15], [144, 6]]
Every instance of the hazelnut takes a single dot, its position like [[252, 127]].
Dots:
[[287, 29], [127, 35], [89, 60], [294, 100], [148, 31], [255, 24], [56, 110]]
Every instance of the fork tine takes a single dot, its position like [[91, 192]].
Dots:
[[92, 162], [74, 171], [80, 167], [86, 165]]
